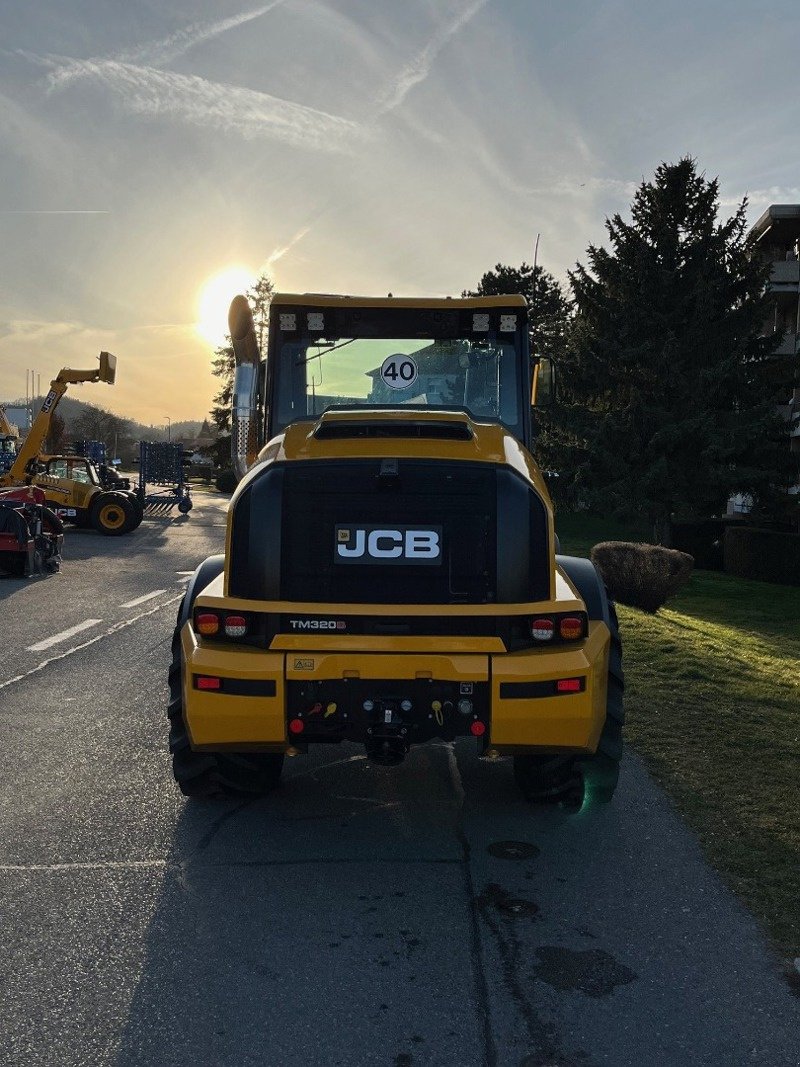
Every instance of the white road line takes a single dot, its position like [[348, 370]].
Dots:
[[63, 636], [143, 599], [92, 641]]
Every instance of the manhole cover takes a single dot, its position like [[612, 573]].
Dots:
[[513, 850], [516, 907]]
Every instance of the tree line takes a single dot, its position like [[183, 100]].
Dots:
[[667, 380]]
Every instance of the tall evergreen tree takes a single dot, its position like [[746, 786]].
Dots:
[[669, 397], [223, 366], [549, 307]]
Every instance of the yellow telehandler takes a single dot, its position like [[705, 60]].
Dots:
[[71, 484]]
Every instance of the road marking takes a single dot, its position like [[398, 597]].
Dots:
[[92, 641], [143, 599], [63, 636], [188, 573]]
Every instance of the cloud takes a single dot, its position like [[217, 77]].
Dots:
[[418, 69], [199, 102], [775, 194], [158, 53]]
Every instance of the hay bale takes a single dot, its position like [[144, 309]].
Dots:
[[641, 576]]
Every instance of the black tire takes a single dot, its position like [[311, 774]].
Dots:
[[137, 507], [113, 514], [210, 774], [185, 505], [569, 779]]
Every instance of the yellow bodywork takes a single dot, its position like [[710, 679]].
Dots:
[[570, 722]]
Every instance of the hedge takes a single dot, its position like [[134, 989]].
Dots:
[[768, 555]]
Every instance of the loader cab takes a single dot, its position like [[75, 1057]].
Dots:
[[72, 468], [338, 353]]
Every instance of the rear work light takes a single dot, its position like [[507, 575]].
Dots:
[[235, 625], [206, 623], [542, 629]]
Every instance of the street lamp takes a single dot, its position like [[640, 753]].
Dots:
[[169, 427]]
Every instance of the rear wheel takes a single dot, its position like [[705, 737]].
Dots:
[[209, 774], [113, 514], [571, 778]]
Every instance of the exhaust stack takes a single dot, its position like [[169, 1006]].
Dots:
[[245, 411]]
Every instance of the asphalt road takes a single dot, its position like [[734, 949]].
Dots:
[[416, 915]]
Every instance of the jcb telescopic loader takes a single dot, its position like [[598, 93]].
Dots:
[[391, 572], [71, 484]]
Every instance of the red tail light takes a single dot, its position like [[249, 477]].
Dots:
[[206, 623], [477, 729], [542, 629], [569, 685], [235, 625], [296, 726]]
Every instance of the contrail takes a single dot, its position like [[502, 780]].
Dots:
[[420, 66], [56, 211], [281, 251], [195, 100], [156, 53]]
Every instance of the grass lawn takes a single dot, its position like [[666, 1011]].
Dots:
[[713, 707]]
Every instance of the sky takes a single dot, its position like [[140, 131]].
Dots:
[[352, 146]]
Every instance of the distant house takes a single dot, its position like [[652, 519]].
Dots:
[[777, 238]]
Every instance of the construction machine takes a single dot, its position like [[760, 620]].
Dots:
[[9, 441], [31, 535], [391, 573], [71, 484]]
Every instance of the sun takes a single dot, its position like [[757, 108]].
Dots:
[[214, 299]]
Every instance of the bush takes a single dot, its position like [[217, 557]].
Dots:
[[641, 576], [768, 555], [226, 481]]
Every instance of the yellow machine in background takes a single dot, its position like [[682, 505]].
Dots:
[[70, 483], [391, 572]]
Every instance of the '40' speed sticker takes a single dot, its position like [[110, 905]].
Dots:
[[399, 372]]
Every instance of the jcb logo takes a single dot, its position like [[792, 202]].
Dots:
[[398, 544]]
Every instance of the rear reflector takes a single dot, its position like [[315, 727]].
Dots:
[[569, 685], [296, 726], [235, 625], [206, 623], [542, 629], [571, 628], [477, 729], [203, 682]]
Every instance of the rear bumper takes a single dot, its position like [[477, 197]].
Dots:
[[514, 696]]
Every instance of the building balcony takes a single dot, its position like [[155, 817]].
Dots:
[[788, 345], [785, 272]]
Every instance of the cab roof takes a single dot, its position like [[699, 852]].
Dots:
[[333, 300]]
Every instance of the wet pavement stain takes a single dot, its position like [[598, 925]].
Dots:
[[508, 906], [513, 850], [593, 972], [544, 1041]]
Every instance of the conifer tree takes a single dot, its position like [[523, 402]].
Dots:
[[668, 383]]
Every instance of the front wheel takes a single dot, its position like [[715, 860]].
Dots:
[[212, 774]]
